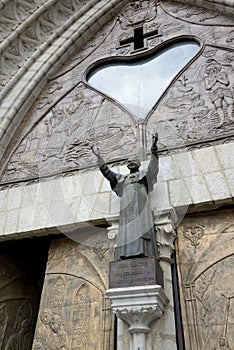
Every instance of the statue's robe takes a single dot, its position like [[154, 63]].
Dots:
[[136, 237]]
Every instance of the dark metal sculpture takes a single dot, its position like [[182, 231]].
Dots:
[[136, 236]]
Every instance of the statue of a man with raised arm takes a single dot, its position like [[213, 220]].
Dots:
[[136, 237]]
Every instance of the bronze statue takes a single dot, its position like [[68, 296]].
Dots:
[[136, 237]]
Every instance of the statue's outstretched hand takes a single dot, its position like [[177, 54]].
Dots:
[[155, 140], [96, 151]]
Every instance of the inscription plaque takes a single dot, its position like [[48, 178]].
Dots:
[[135, 272]]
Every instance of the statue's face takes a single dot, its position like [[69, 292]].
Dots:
[[133, 163]]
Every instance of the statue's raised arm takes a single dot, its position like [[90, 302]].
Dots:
[[152, 171], [154, 142], [96, 152], [111, 176]]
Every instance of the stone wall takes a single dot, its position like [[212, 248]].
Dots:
[[196, 180]]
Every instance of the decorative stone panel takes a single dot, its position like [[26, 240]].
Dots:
[[205, 264], [74, 311]]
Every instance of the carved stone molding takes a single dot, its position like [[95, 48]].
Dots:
[[139, 317], [138, 306], [165, 223], [40, 24]]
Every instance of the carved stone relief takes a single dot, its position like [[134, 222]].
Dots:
[[195, 14], [194, 234], [63, 139], [74, 313], [199, 105], [69, 117], [137, 12], [206, 280]]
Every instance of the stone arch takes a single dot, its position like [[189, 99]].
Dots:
[[33, 75]]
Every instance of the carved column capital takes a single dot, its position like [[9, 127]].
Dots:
[[138, 306], [165, 222], [139, 317]]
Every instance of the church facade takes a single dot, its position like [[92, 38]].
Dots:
[[82, 73]]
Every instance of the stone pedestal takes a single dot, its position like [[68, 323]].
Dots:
[[135, 272], [138, 307]]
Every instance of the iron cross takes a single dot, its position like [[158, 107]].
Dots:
[[138, 38]]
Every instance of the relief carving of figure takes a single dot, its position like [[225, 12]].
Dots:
[[51, 334], [136, 236], [22, 337], [56, 134], [224, 345], [220, 93], [137, 12], [80, 318], [84, 110], [43, 332], [58, 339]]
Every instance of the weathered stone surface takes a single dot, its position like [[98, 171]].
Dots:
[[205, 263]]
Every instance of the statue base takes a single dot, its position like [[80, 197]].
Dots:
[[135, 272], [138, 307]]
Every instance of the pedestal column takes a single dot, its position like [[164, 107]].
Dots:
[[138, 307]]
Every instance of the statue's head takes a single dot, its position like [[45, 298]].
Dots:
[[133, 163]]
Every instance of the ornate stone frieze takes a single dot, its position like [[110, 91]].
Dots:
[[13, 13], [64, 138], [40, 25], [80, 318], [196, 108]]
